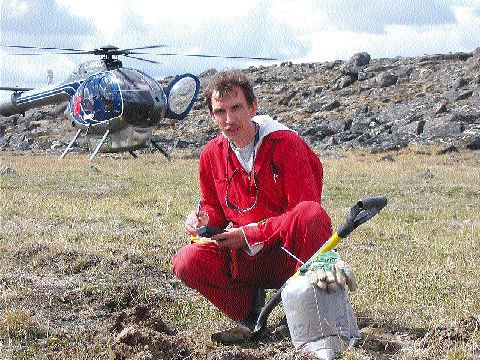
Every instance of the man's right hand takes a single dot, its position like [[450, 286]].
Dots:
[[193, 222]]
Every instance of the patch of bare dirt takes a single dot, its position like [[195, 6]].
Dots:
[[392, 342], [138, 333]]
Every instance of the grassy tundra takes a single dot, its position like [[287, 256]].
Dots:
[[85, 250]]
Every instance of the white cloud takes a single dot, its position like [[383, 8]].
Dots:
[[16, 7], [106, 15], [190, 12], [109, 15], [461, 34], [26, 75], [463, 3], [301, 15], [371, 16]]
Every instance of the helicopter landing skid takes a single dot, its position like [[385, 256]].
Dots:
[[100, 144], [161, 149], [133, 154], [70, 144]]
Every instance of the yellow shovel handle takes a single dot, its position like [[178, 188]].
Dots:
[[329, 245]]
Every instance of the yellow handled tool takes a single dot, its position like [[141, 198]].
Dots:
[[361, 212]]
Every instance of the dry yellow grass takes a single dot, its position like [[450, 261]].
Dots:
[[74, 231]]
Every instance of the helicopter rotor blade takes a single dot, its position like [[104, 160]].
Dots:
[[15, 88], [28, 54], [144, 47], [142, 59], [112, 50], [214, 56], [40, 48], [53, 53]]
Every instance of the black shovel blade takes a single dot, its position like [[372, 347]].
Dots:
[[360, 213]]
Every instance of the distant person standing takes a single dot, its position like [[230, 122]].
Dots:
[[262, 184]]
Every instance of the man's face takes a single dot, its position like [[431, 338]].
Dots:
[[233, 115]]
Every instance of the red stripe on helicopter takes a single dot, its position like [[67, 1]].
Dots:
[[76, 105]]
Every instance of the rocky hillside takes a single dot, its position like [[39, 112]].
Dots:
[[380, 104]]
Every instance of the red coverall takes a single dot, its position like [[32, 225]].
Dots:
[[289, 178]]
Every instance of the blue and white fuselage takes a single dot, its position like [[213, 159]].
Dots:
[[118, 108], [126, 102]]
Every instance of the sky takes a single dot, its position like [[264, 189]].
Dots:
[[288, 30]]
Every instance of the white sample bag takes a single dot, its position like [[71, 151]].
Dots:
[[320, 323]]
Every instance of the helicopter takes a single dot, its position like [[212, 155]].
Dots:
[[115, 107]]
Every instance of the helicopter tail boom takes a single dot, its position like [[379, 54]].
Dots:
[[19, 102]]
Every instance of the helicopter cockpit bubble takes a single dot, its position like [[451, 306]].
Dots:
[[143, 99], [181, 94], [105, 92]]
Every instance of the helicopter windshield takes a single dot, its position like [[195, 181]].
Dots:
[[105, 91], [133, 80], [87, 100], [140, 94]]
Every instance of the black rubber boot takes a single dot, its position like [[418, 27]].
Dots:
[[244, 330], [258, 303]]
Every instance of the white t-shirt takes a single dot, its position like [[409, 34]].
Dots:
[[246, 154]]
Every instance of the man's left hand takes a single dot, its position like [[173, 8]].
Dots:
[[232, 238]]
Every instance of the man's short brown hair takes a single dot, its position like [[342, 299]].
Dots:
[[224, 81]]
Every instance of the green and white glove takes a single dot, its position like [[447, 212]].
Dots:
[[329, 272]]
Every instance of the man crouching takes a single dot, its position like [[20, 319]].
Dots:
[[261, 184]]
